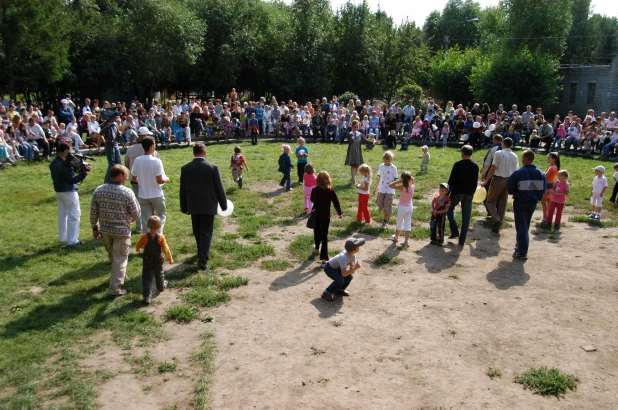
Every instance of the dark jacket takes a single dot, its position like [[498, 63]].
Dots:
[[322, 198], [63, 176], [528, 183], [201, 188], [285, 163], [464, 177]]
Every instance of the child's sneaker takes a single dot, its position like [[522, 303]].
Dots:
[[164, 284], [328, 296], [598, 217], [405, 244], [592, 216], [394, 238]]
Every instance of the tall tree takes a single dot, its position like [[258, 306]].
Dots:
[[454, 26]]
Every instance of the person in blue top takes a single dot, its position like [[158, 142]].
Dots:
[[527, 185], [65, 185], [259, 115], [65, 113]]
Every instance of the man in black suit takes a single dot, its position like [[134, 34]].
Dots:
[[462, 182], [201, 189]]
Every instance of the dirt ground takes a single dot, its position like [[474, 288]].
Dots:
[[410, 336]]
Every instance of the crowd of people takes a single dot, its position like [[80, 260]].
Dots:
[[114, 206], [28, 134]]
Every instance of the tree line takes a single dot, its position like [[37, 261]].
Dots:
[[115, 49]]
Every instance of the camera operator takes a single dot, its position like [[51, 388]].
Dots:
[[65, 185], [111, 134]]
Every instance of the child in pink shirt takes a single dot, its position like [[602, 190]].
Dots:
[[560, 190], [308, 184]]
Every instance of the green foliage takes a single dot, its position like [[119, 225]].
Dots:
[[412, 92], [166, 367], [545, 382], [524, 77], [347, 96], [494, 372], [384, 259], [181, 313], [453, 22], [275, 265], [450, 74], [203, 297]]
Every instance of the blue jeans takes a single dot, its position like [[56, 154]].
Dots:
[[113, 158], [556, 144], [607, 148], [26, 151], [466, 212], [523, 211], [570, 141], [339, 282], [516, 137], [286, 181]]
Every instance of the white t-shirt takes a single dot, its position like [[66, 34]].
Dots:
[[506, 163], [598, 183], [146, 168], [342, 261], [387, 174], [611, 124], [363, 181], [616, 176]]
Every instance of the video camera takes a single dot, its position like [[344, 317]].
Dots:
[[109, 114], [76, 161]]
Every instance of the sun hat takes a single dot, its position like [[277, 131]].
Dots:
[[424, 147], [143, 131], [353, 243], [600, 168], [445, 185]]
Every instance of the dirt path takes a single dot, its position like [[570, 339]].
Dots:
[[410, 336]]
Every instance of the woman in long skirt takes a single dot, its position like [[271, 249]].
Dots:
[[355, 155]]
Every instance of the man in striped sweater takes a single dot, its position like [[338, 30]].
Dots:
[[527, 185], [114, 207]]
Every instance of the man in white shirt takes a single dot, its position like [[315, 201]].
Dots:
[[36, 133], [148, 172], [86, 108], [504, 164]]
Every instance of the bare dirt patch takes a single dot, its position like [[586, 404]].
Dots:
[[422, 334]]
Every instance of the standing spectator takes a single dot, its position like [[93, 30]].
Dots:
[[65, 113], [487, 161], [462, 183], [65, 185], [133, 152], [148, 172], [527, 185], [110, 133], [322, 197], [201, 189], [115, 207], [504, 164]]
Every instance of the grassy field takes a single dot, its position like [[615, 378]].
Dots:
[[53, 298]]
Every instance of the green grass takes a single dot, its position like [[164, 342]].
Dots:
[[205, 297], [61, 320], [494, 372], [593, 222], [167, 367], [142, 365], [204, 358], [384, 259], [545, 382], [275, 265], [181, 313]]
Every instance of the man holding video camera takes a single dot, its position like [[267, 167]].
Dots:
[[65, 184]]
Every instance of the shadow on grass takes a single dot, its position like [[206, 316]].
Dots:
[[296, 277], [14, 261], [438, 258], [508, 274], [328, 309]]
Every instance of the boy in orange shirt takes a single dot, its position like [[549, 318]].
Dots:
[[153, 244]]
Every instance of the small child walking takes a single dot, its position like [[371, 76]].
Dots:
[[254, 129], [238, 163], [387, 173], [309, 182], [302, 157], [599, 185], [425, 159], [285, 167], [153, 244], [446, 131], [439, 207], [363, 194], [404, 210], [612, 199], [560, 191], [341, 268]]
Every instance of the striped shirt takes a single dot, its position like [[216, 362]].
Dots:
[[114, 207]]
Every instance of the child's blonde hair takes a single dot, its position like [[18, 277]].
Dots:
[[301, 140], [364, 168], [309, 168], [388, 154], [406, 177], [565, 173], [323, 180], [154, 222]]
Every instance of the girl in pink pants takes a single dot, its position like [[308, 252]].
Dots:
[[308, 183]]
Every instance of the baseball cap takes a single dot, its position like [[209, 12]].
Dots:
[[445, 185], [600, 168], [143, 131], [353, 243]]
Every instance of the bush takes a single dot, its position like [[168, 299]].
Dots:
[[181, 313], [413, 92], [547, 382], [346, 96]]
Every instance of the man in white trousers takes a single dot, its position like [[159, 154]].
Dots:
[[65, 185]]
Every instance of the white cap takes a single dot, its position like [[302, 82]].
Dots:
[[64, 101], [424, 147], [143, 131], [600, 168]]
